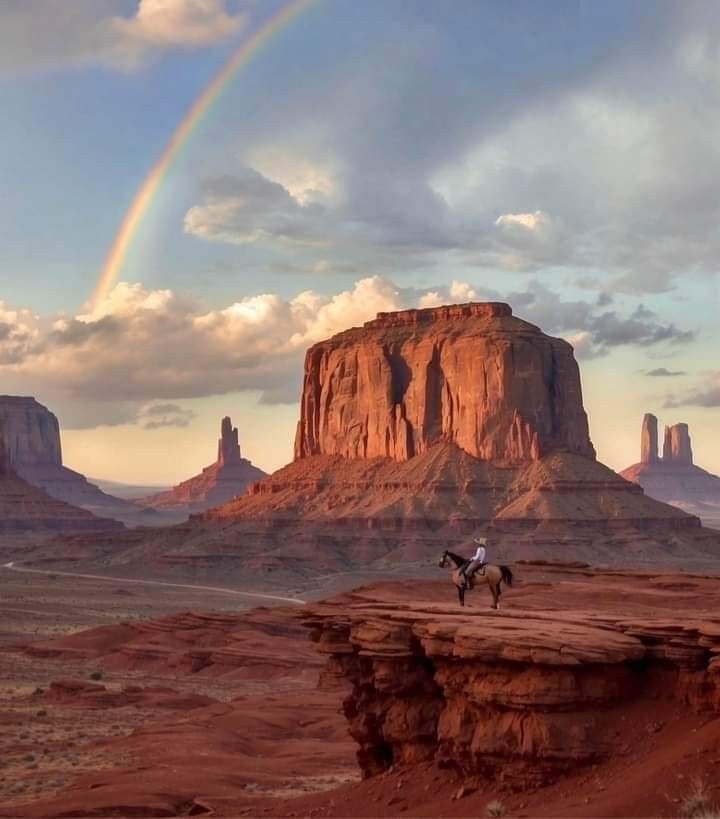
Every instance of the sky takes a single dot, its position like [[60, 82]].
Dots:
[[368, 156]]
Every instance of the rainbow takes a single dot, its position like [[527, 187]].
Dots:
[[198, 110]]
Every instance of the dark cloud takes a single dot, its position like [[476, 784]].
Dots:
[[706, 394], [663, 372], [439, 143], [157, 416]]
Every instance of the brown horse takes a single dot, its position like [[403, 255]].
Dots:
[[493, 576]]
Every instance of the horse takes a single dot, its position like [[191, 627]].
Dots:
[[493, 576]]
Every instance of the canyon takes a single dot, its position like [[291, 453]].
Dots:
[[674, 478]]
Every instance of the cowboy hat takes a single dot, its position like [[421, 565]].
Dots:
[[482, 541]]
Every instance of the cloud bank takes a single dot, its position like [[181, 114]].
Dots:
[[139, 351]]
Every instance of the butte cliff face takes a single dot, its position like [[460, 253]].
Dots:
[[32, 435], [26, 510], [674, 478], [471, 375], [229, 476]]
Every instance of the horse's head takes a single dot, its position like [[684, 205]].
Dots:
[[443, 560]]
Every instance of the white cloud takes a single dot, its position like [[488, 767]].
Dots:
[[527, 221], [179, 23], [69, 33]]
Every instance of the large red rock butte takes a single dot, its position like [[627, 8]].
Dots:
[[674, 478], [218, 483], [472, 375], [427, 425], [32, 435]]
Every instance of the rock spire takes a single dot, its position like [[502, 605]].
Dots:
[[649, 439], [677, 448]]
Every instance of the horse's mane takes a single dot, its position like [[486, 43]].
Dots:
[[456, 559]]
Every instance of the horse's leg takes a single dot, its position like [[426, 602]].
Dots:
[[461, 595], [493, 590]]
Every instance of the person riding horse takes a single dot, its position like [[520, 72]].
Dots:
[[477, 562]]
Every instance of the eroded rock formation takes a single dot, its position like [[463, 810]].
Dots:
[[674, 478], [27, 510], [32, 433], [522, 695], [676, 447], [228, 444], [228, 477], [472, 375], [649, 440]]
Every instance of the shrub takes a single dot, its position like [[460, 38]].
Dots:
[[494, 809], [697, 804], [96, 675]]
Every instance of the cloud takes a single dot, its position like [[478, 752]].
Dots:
[[706, 394], [157, 416], [597, 159], [663, 372], [138, 347], [534, 222], [248, 208], [49, 34]]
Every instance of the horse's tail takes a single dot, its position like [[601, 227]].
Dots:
[[507, 575]]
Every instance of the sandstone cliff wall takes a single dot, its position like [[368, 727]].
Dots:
[[472, 374], [31, 432], [521, 695]]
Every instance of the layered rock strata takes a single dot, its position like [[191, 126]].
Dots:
[[518, 696], [218, 483], [472, 375]]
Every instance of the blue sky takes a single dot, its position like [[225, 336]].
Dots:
[[373, 156]]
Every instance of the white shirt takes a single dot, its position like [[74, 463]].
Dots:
[[479, 554]]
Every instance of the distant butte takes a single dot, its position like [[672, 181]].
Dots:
[[674, 478], [32, 435], [218, 483], [26, 510]]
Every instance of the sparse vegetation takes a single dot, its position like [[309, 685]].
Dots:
[[41, 713], [697, 803], [494, 809], [96, 675]]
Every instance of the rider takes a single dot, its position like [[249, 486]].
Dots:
[[477, 561]]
